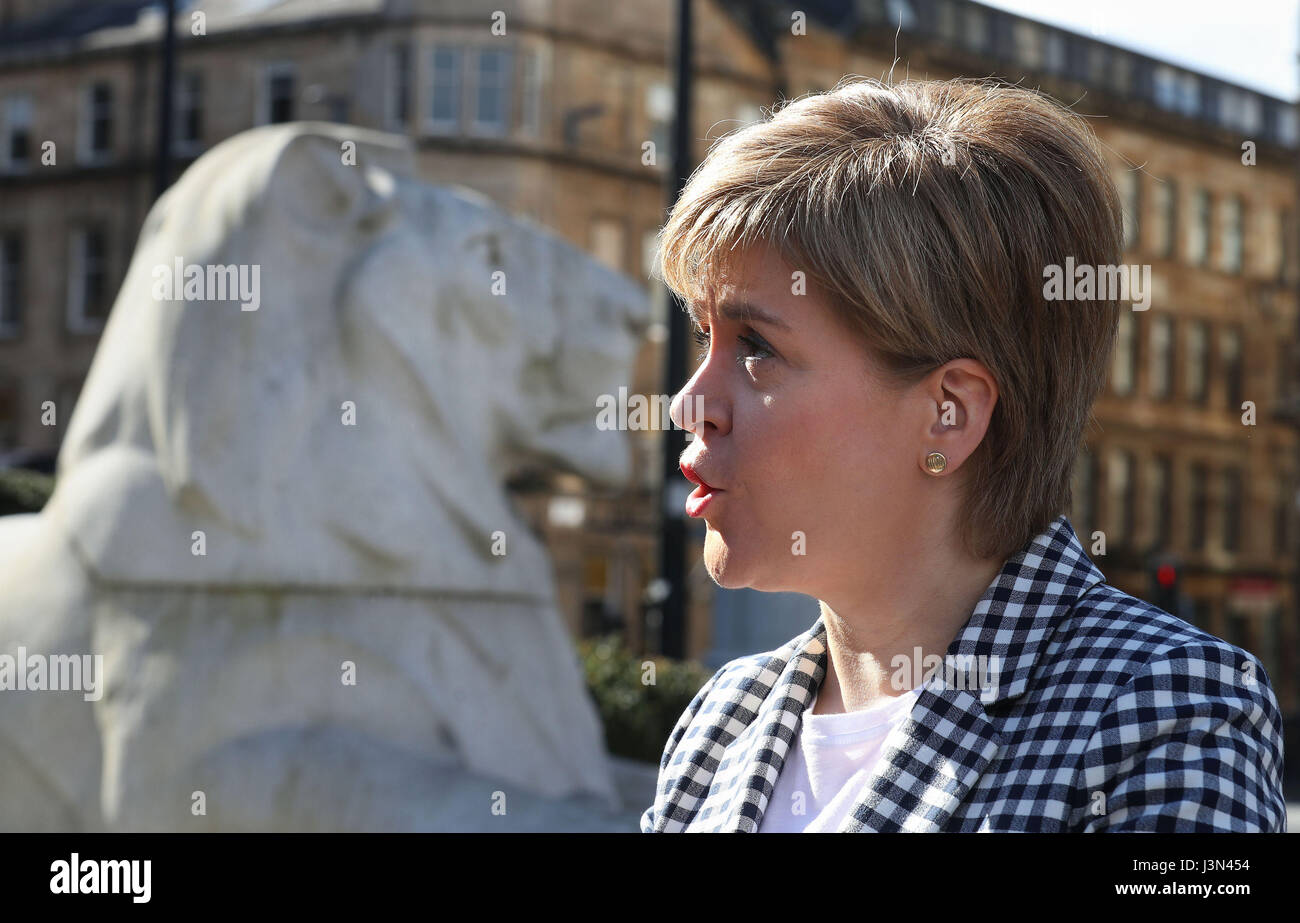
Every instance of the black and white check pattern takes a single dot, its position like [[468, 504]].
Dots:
[[1107, 714]]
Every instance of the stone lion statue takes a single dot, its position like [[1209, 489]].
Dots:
[[286, 531]]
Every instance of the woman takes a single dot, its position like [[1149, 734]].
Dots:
[[888, 410]]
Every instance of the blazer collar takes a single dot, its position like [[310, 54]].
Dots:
[[931, 760]]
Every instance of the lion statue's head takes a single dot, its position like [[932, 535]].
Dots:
[[412, 348]]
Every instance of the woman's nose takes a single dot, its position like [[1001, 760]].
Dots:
[[686, 410], [696, 403]]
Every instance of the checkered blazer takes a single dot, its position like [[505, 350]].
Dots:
[[1106, 713]]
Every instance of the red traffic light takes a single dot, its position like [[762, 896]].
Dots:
[[1166, 576]]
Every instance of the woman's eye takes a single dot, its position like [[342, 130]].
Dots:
[[753, 348], [757, 349], [702, 339]]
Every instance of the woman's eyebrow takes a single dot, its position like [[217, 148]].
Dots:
[[747, 312]]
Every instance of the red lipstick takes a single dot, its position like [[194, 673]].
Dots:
[[703, 494]]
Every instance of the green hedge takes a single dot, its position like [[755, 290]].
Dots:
[[638, 717], [23, 491]]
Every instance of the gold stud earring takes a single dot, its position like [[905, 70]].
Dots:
[[935, 462]]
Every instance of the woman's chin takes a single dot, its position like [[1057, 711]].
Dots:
[[721, 563]]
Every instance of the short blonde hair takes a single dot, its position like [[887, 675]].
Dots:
[[927, 212]]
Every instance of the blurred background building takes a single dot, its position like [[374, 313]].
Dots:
[[551, 116]]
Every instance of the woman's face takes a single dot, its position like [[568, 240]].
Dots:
[[817, 462]]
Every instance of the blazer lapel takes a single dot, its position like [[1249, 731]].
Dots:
[[780, 689], [931, 761], [928, 764]]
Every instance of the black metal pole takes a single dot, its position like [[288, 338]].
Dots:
[[672, 548], [162, 169]]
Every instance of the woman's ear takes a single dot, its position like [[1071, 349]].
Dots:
[[963, 394]]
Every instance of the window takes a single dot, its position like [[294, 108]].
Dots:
[[1251, 114], [976, 36], [1230, 229], [607, 242], [530, 101], [1189, 95], [1197, 368], [1240, 110], [1225, 110], [278, 94], [1130, 188], [1097, 69], [189, 112], [446, 89], [492, 92], [1162, 358], [87, 281], [1287, 244], [96, 133], [1162, 468], [1230, 351], [1269, 234], [1199, 478], [1166, 83], [1198, 227], [900, 14], [15, 154], [1288, 127], [1054, 52], [11, 285], [1166, 205], [399, 86], [1232, 500], [1124, 359], [659, 105], [1121, 495], [947, 17], [1121, 72], [1028, 41], [336, 103]]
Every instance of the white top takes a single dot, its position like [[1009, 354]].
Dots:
[[830, 762]]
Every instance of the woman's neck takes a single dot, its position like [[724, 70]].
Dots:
[[877, 647]]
